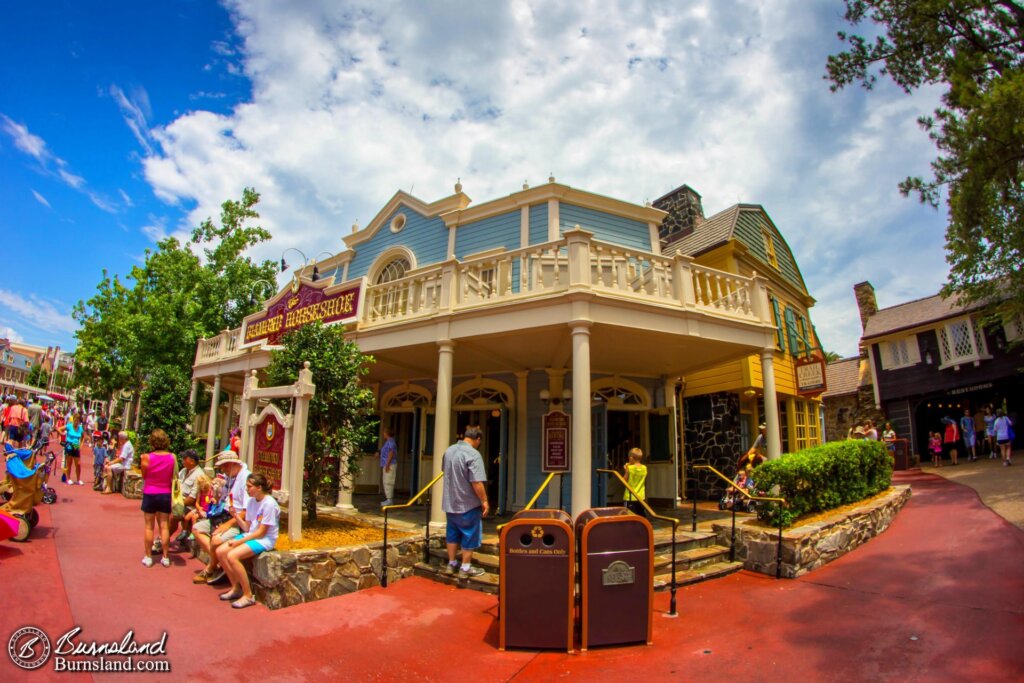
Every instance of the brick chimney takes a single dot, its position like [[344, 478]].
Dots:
[[685, 213], [867, 304]]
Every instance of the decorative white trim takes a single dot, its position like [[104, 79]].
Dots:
[[524, 226], [398, 222], [652, 229], [387, 257]]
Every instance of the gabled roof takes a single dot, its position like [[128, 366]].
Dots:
[[743, 223], [912, 314], [842, 377]]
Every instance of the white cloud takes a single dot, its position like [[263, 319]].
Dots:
[[353, 101], [41, 199], [37, 312], [134, 110], [9, 333], [51, 164]]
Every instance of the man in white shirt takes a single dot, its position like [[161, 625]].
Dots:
[[188, 475], [113, 471], [238, 497]]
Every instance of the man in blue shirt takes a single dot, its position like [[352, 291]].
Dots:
[[464, 501], [388, 466]]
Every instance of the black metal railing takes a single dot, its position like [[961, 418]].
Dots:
[[426, 529], [671, 520], [732, 543]]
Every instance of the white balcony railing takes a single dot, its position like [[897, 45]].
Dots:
[[576, 262]]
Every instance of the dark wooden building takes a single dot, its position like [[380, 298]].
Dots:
[[932, 358]]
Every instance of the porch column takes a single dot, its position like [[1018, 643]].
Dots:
[[225, 427], [243, 423], [771, 405], [194, 396], [211, 427], [669, 388], [581, 455], [442, 421]]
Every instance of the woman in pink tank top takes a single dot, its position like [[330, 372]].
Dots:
[[157, 472]]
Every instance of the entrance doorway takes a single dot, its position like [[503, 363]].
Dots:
[[404, 427], [493, 448]]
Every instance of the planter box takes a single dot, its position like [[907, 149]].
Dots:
[[283, 579], [809, 546]]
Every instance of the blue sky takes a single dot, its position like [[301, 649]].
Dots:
[[121, 122]]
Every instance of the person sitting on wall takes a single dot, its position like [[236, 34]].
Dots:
[[188, 475], [114, 470], [211, 535], [756, 455]]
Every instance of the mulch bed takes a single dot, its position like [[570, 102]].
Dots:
[[330, 532]]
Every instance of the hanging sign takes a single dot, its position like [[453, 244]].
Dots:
[[268, 454], [810, 376], [301, 303], [556, 452]]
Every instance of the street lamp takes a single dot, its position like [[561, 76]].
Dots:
[[260, 282], [305, 261]]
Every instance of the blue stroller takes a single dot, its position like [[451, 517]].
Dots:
[[23, 488]]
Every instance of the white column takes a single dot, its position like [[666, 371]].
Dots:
[[771, 405], [442, 421], [581, 455], [194, 395], [520, 419], [670, 403], [211, 427]]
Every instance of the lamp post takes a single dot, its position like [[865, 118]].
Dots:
[[305, 261], [267, 285]]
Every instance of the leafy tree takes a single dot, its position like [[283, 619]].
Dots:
[[975, 48], [153, 320], [341, 410], [166, 401], [832, 356], [38, 377]]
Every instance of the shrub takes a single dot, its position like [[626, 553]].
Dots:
[[823, 477]]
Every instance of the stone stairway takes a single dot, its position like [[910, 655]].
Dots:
[[698, 558]]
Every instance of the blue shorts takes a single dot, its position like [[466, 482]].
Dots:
[[257, 545], [465, 529]]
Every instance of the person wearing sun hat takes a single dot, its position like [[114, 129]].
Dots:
[[237, 499]]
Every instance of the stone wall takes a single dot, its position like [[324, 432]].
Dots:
[[685, 213], [807, 547], [283, 579], [843, 412], [714, 442], [132, 485]]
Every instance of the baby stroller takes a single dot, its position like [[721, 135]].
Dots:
[[23, 487], [733, 497]]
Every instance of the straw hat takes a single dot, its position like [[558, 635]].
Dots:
[[226, 458]]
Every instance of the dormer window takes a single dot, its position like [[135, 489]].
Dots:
[[900, 353], [961, 341]]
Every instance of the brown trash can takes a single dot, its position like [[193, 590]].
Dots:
[[537, 581], [616, 551]]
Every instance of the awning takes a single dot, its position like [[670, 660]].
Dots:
[[44, 397], [57, 397]]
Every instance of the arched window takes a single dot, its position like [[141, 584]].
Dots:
[[390, 302]]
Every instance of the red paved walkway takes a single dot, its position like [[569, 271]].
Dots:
[[939, 596]]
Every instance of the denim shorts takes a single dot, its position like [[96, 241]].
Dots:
[[465, 528]]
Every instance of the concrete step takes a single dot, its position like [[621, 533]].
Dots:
[[694, 558], [485, 583], [687, 577], [485, 560]]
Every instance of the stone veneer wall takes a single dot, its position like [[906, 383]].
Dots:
[[283, 579], [807, 547], [715, 442], [132, 485]]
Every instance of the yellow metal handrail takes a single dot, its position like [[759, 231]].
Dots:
[[426, 530], [636, 497], [731, 483], [535, 497], [413, 500], [732, 545]]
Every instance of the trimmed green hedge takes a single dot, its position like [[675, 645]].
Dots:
[[823, 478]]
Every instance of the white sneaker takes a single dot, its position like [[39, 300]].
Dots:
[[147, 562], [81, 483], [165, 562]]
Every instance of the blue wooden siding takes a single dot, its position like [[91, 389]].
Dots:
[[538, 224], [606, 227], [489, 233], [425, 237]]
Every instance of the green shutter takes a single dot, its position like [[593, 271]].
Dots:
[[794, 338], [780, 339]]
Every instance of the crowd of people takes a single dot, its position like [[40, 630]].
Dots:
[[231, 515]]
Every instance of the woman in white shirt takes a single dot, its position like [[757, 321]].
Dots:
[[259, 526]]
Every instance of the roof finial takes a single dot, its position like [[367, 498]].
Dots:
[[526, 185], [458, 185], [355, 226], [551, 178]]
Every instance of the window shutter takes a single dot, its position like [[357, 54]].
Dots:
[[794, 343], [913, 350], [780, 339], [885, 353]]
